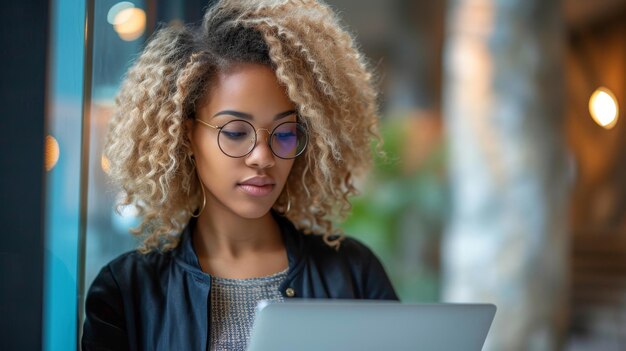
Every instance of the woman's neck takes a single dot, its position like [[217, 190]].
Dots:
[[225, 234], [230, 246]]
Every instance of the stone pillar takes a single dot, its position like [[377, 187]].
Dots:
[[506, 242]]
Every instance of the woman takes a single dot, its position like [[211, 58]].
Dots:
[[238, 141]]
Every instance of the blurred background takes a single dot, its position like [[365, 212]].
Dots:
[[504, 181]]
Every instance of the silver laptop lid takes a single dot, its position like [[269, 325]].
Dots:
[[369, 325]]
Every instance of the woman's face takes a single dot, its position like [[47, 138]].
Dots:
[[247, 186]]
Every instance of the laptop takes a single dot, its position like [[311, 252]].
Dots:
[[369, 325]]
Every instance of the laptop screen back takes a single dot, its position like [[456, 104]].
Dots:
[[368, 325]]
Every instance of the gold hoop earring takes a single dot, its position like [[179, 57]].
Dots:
[[196, 215], [288, 200]]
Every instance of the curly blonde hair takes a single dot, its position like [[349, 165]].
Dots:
[[324, 74]]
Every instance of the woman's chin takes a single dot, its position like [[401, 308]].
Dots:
[[252, 211]]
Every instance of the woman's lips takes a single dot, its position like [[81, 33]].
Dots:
[[256, 190], [257, 185]]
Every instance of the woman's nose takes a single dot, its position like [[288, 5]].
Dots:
[[261, 156]]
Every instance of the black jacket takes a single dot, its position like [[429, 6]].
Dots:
[[160, 301]]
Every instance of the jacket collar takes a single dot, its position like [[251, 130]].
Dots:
[[292, 238], [184, 251]]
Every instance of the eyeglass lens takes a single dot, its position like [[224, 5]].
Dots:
[[238, 138]]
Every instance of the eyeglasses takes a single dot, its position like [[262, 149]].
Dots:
[[238, 138]]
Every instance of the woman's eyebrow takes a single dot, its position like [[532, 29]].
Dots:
[[248, 116]]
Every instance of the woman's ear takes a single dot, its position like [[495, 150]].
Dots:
[[189, 129], [189, 132]]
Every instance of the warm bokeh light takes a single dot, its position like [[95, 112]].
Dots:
[[603, 107], [51, 152], [115, 9], [104, 163], [130, 23]]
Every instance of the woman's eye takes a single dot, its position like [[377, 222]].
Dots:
[[285, 135], [234, 135]]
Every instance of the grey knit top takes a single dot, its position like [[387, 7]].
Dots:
[[233, 307]]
